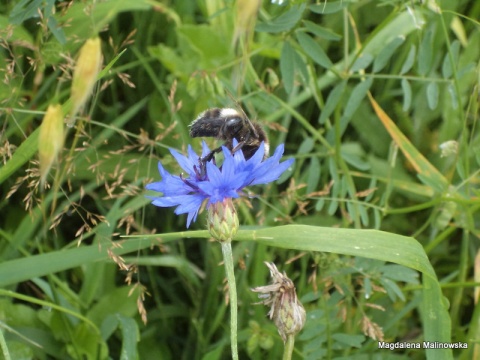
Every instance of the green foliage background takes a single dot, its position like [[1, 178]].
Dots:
[[375, 223]]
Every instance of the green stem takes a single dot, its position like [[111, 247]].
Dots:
[[289, 345], [232, 288], [3, 346]]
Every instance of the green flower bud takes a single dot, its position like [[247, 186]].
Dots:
[[222, 220]]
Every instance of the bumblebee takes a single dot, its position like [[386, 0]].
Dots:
[[228, 124]]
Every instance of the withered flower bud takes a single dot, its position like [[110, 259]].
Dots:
[[286, 310], [50, 139], [222, 220]]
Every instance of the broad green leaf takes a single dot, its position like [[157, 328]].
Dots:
[[300, 66], [109, 325], [52, 23], [287, 66], [386, 53], [432, 95], [313, 50], [400, 273], [356, 97], [344, 189], [372, 185], [321, 31], [332, 101], [130, 336], [335, 191], [313, 174], [451, 91], [447, 69], [306, 146], [86, 343], [409, 61], [354, 155], [319, 204], [362, 62], [425, 52], [393, 291], [407, 94], [284, 22], [333, 206], [24, 10], [377, 218], [363, 215], [467, 69]]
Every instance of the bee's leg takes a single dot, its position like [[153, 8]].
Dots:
[[203, 162], [238, 147], [210, 155], [240, 144]]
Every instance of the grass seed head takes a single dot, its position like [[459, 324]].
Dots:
[[85, 73], [51, 138]]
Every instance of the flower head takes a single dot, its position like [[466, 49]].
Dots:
[[218, 184]]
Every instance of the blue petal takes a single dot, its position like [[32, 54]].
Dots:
[[228, 167], [273, 174], [191, 206], [262, 171], [189, 203], [258, 156], [256, 160], [205, 149], [214, 174], [168, 189], [184, 162], [165, 201], [170, 184], [192, 155]]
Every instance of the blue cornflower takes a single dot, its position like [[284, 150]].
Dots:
[[218, 184]]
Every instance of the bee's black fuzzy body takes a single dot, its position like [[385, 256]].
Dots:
[[228, 124]]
